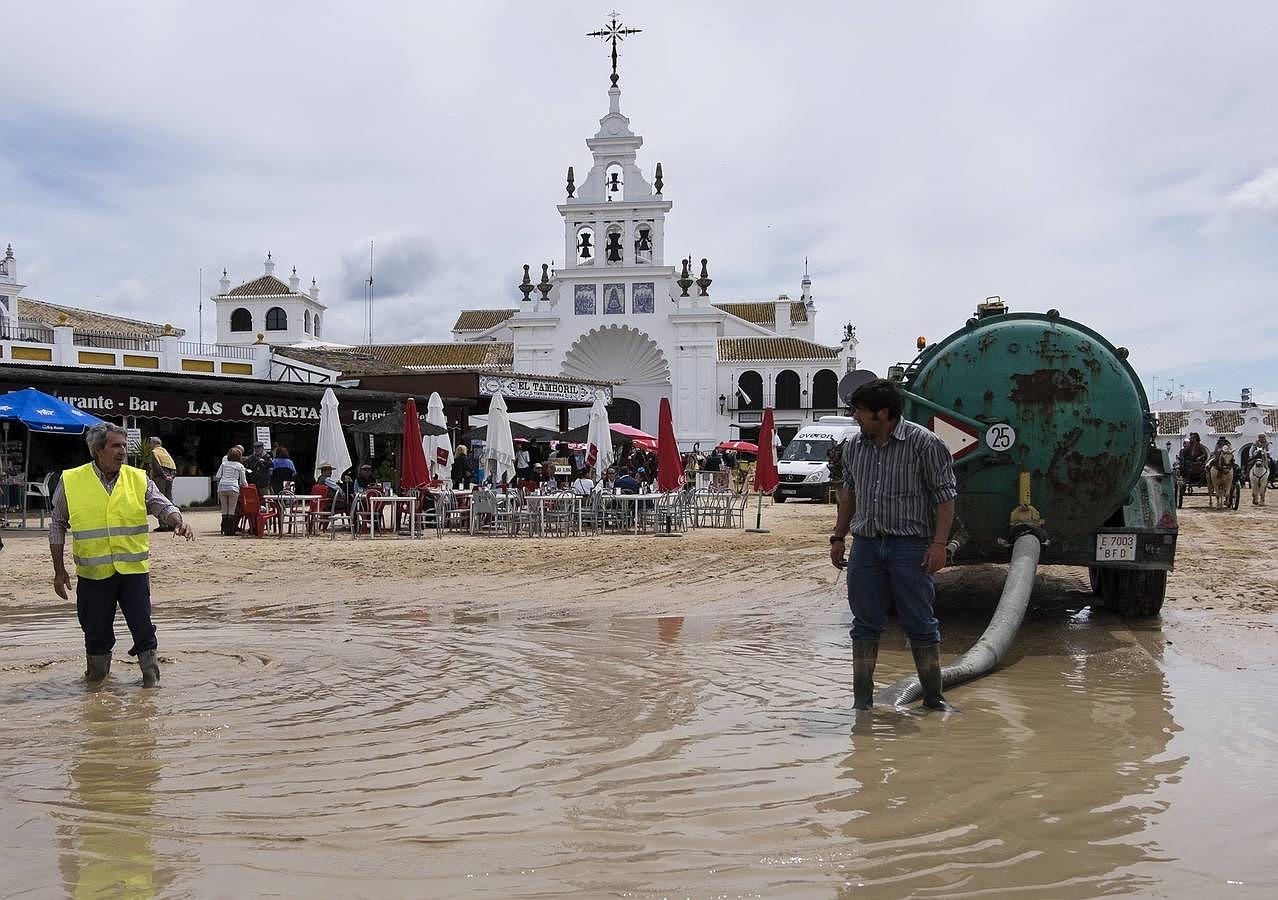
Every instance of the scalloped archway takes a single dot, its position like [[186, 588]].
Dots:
[[617, 353]]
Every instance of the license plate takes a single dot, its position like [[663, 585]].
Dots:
[[789, 492], [1116, 548]]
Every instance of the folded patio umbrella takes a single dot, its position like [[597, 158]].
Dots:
[[438, 447], [669, 461], [413, 471], [499, 451], [331, 447], [599, 455]]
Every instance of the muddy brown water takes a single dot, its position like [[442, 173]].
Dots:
[[339, 748]]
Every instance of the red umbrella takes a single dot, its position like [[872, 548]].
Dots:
[[669, 462], [413, 471], [738, 446], [629, 431], [765, 470]]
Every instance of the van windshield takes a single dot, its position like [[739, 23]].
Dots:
[[807, 450]]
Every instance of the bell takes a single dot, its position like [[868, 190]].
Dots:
[[614, 247], [645, 244], [584, 244], [614, 182]]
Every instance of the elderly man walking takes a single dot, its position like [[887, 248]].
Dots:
[[162, 471], [104, 504]]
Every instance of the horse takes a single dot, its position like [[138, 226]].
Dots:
[[1220, 476], [1258, 475]]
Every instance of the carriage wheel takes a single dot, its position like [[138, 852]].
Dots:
[[1235, 495]]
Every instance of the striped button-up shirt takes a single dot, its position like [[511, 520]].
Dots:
[[897, 486], [157, 505]]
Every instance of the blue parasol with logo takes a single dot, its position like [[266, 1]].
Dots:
[[45, 414]]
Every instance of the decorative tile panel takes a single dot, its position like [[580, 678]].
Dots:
[[642, 298], [583, 300], [614, 299]]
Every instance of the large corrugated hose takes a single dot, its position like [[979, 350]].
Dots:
[[990, 647]]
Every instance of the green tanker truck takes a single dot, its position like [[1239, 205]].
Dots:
[[1051, 435]]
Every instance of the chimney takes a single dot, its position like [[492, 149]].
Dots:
[[270, 264], [294, 281], [782, 325], [314, 290]]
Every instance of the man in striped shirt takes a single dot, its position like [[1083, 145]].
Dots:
[[897, 501]]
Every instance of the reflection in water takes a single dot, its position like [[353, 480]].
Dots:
[[107, 828], [342, 747]]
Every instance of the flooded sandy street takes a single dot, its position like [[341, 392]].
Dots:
[[386, 720]]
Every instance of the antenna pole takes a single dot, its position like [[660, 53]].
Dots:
[[368, 293], [200, 323]]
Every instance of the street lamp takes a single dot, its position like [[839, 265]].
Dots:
[[723, 401]]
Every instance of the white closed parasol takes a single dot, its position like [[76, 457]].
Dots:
[[331, 449], [438, 447], [499, 454], [599, 455]]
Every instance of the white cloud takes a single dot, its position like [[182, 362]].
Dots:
[[1261, 193]]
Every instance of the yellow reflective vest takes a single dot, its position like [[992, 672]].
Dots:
[[108, 531]]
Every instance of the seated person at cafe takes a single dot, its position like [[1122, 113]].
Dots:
[[332, 484], [628, 483], [364, 478], [582, 485]]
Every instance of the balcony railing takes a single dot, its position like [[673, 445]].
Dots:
[[222, 351], [113, 341], [20, 331]]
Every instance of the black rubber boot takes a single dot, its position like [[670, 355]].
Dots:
[[98, 668], [150, 669], [927, 660], [864, 655]]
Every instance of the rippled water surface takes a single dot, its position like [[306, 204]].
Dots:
[[336, 748]]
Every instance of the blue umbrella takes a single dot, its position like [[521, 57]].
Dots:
[[41, 412]]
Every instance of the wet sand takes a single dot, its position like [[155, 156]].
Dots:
[[629, 716]]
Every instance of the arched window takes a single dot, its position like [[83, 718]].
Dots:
[[614, 183], [276, 319], [643, 244], [750, 391], [825, 390], [586, 246], [614, 254], [241, 320], [787, 395], [622, 411], [306, 321], [317, 325]]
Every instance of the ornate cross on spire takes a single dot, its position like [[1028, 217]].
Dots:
[[613, 31]]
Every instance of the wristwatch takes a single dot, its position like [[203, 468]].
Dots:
[[835, 539]]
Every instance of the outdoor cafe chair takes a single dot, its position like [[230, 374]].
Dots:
[[254, 517], [333, 513], [669, 512], [361, 511]]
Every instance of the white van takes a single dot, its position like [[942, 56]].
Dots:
[[804, 468]]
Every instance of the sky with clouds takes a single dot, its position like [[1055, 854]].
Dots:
[[1118, 162]]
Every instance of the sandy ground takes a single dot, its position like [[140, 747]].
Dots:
[[1222, 605]]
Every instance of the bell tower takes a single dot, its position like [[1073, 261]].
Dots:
[[614, 218]]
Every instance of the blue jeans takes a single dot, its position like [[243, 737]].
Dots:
[[96, 602], [887, 570]]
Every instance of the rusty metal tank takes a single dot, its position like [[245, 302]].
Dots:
[[1032, 392]]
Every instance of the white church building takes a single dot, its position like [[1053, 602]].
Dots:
[[619, 312]]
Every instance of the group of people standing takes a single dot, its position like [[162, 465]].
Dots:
[[267, 472]]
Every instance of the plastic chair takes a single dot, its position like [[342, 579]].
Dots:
[[254, 517], [42, 491]]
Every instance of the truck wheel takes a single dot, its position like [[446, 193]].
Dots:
[[1133, 592], [778, 497], [1094, 579]]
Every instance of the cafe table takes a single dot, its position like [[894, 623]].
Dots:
[[291, 507], [394, 502]]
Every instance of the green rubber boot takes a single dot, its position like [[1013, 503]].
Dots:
[[927, 660], [99, 665], [150, 669], [864, 656]]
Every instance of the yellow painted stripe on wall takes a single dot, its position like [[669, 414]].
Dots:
[[141, 362], [93, 358], [197, 365], [40, 354]]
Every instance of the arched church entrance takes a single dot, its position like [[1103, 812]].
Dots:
[[624, 411]]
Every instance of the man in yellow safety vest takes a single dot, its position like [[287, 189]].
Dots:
[[105, 504]]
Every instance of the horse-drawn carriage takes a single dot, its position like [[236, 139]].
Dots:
[[1218, 474]]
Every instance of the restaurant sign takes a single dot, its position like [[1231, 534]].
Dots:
[[526, 387], [112, 403]]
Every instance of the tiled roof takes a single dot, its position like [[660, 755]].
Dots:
[[761, 348], [1225, 420], [454, 354], [763, 312], [51, 314], [1172, 422], [481, 319], [351, 363], [266, 286]]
